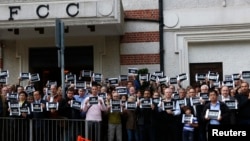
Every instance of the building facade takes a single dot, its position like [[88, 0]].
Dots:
[[110, 36]]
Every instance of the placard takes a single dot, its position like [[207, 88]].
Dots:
[[156, 100], [213, 76], [4, 73], [14, 108], [162, 79], [204, 96], [25, 109], [228, 78], [70, 77], [75, 104], [182, 102], [3, 80], [93, 100], [115, 106], [102, 95], [168, 105], [52, 105], [232, 104], [215, 84], [86, 73], [97, 77], [182, 77], [158, 73], [24, 76], [36, 107], [187, 118], [145, 103], [123, 78], [30, 89], [175, 95], [34, 77], [200, 77], [173, 80], [195, 101], [229, 83], [213, 114], [12, 96], [121, 90], [80, 85], [236, 76], [143, 77], [131, 105], [153, 78], [132, 71], [113, 81]]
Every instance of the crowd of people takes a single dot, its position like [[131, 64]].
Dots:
[[162, 111]]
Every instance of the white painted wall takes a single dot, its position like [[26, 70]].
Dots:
[[199, 31], [234, 55], [140, 4]]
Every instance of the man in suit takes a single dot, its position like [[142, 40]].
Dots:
[[225, 96], [38, 116]]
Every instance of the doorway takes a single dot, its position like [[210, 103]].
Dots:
[[204, 68], [45, 62]]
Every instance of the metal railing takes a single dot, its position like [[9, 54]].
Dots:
[[18, 129]]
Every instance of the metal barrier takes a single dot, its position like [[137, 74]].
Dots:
[[18, 129]]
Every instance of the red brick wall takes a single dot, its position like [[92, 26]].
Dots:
[[140, 37], [138, 59], [134, 37], [150, 14]]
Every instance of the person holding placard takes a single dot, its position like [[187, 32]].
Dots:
[[190, 123], [244, 104], [215, 112], [38, 113], [20, 109], [170, 117], [93, 105], [71, 110], [198, 109], [114, 118], [130, 115], [230, 101], [79, 97], [144, 112]]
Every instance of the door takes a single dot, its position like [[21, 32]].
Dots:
[[204, 68], [45, 62]]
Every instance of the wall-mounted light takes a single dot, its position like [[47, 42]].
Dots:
[[40, 30], [16, 31], [66, 29], [91, 28]]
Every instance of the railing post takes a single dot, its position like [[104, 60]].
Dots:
[[86, 130], [30, 130]]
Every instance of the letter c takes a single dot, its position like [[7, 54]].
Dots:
[[72, 4], [38, 9]]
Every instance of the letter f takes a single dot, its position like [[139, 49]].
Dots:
[[13, 10]]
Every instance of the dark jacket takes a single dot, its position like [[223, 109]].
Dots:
[[68, 111], [39, 115], [225, 112]]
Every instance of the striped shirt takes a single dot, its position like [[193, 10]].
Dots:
[[188, 127]]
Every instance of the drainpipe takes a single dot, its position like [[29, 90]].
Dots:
[[161, 26], [1, 56]]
